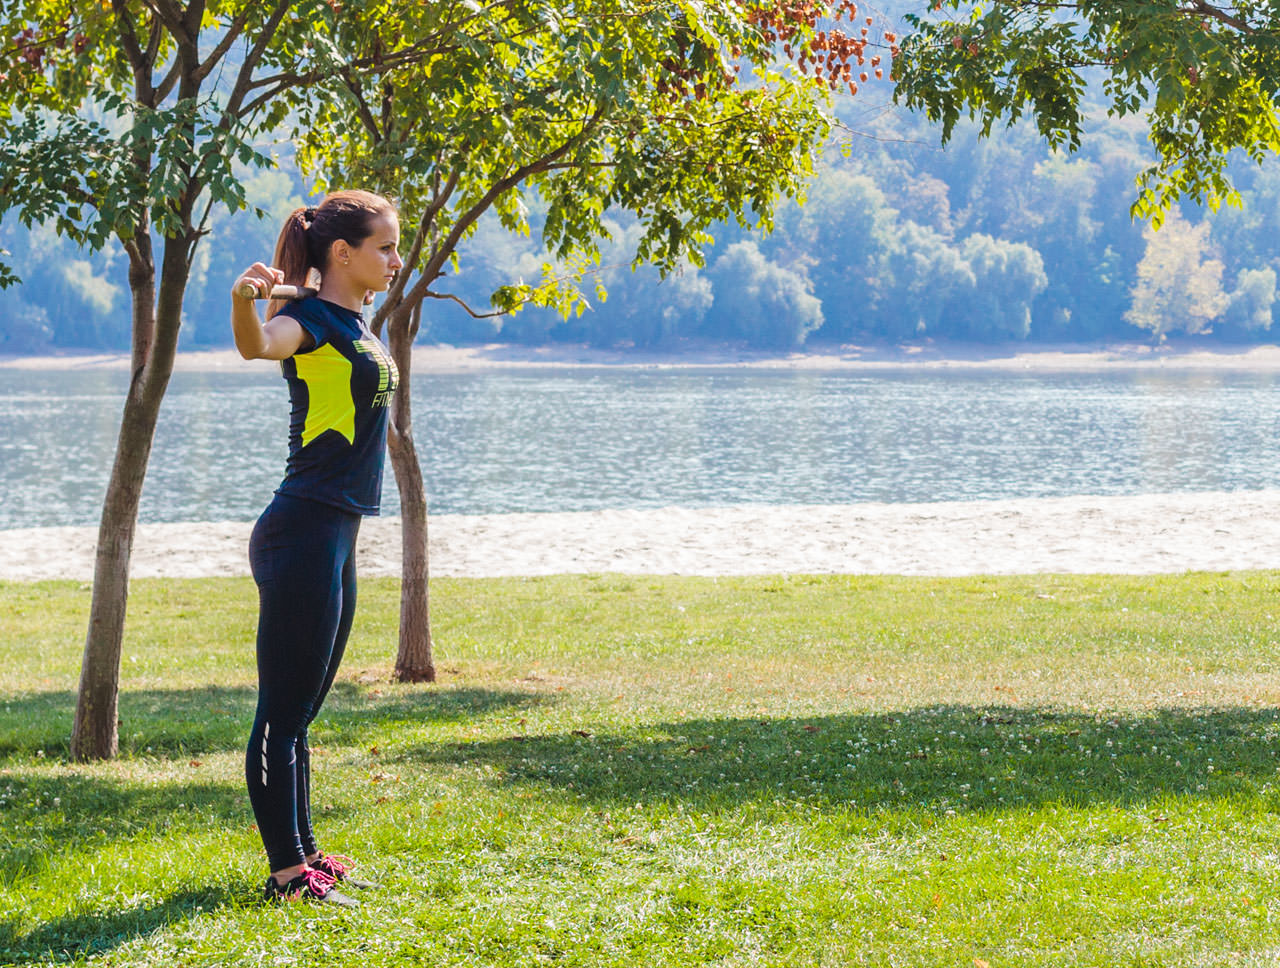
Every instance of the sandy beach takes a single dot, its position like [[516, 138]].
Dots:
[[1146, 534], [1138, 535]]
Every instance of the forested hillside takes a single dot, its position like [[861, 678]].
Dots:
[[899, 239]]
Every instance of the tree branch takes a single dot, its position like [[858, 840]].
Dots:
[[244, 80], [132, 47], [224, 45], [442, 251], [153, 41], [170, 81], [437, 203], [192, 20], [362, 107], [170, 16], [1205, 9], [470, 311], [276, 83]]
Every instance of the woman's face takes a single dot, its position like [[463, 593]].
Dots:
[[373, 263]]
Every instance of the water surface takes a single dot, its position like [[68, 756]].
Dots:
[[550, 440]]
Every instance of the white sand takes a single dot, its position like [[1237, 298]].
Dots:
[[1137, 535]]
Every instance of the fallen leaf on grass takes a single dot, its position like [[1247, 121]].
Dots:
[[585, 734], [811, 729], [979, 963]]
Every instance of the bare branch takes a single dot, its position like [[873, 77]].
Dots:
[[244, 80], [1205, 9], [362, 107], [470, 311], [437, 203], [132, 47], [450, 242], [201, 229], [219, 51], [153, 41], [170, 80], [170, 16]]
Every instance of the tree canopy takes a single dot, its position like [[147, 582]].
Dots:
[[590, 109], [1204, 76]]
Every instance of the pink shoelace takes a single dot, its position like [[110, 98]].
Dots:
[[318, 882], [335, 865]]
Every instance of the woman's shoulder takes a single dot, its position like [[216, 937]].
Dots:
[[309, 307], [317, 317]]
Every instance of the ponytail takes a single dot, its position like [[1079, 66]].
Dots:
[[309, 233], [292, 255]]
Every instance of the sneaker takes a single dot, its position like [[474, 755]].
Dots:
[[311, 885], [339, 867]]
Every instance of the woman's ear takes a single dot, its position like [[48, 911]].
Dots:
[[340, 251]]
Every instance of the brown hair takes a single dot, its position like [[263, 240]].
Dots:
[[309, 233]]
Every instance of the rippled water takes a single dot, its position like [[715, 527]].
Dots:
[[547, 440]]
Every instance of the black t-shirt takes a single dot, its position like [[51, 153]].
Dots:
[[340, 390]]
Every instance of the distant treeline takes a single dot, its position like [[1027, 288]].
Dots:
[[987, 240]]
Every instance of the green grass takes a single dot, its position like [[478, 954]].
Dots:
[[647, 771]]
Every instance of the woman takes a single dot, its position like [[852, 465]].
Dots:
[[302, 552]]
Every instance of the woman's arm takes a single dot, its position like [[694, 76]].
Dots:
[[280, 338]]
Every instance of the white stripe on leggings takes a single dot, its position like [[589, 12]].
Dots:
[[266, 731]]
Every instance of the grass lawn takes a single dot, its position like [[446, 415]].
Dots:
[[650, 771]]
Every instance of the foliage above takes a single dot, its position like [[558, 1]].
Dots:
[[113, 111], [681, 113], [1204, 75]]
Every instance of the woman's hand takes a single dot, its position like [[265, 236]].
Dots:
[[281, 337], [261, 278]]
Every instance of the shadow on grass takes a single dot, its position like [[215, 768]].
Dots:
[[75, 813], [47, 814], [215, 719], [935, 758], [81, 936]]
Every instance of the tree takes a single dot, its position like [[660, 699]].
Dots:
[[124, 120], [599, 106], [1204, 75], [845, 216], [759, 301], [927, 274], [1250, 304], [1179, 284], [1007, 277], [644, 307]]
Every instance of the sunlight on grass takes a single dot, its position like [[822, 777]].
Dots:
[[658, 771]]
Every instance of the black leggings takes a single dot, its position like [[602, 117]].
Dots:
[[303, 559]]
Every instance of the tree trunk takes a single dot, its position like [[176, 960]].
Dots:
[[95, 733], [414, 662]]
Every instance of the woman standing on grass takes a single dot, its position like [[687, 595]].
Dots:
[[302, 552]]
